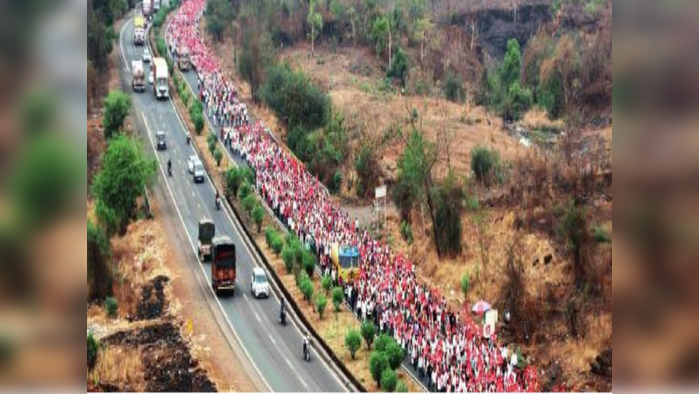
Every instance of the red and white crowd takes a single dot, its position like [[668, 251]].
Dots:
[[446, 349]]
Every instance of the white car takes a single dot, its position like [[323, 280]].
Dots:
[[259, 284], [196, 168], [150, 77], [146, 55]]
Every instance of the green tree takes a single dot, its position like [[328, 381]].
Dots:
[[277, 244], [258, 214], [218, 15], [353, 341], [401, 387], [257, 54], [321, 303], [389, 380], [122, 178], [453, 88], [308, 262], [367, 166], [92, 351], [368, 332], [381, 343], [379, 34], [465, 285], [512, 63], [422, 29], [235, 179], [519, 100], [99, 270], [244, 191], [116, 107], [338, 297], [395, 355], [378, 362], [450, 204], [315, 22], [399, 66], [218, 156], [46, 179], [288, 258], [573, 229], [307, 288], [326, 283], [100, 39]]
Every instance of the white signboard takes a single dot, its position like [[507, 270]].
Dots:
[[491, 318], [381, 192]]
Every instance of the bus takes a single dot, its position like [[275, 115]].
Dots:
[[345, 260], [223, 262]]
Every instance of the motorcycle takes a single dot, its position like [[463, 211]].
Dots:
[[169, 169], [307, 350], [218, 203], [189, 139], [282, 317]]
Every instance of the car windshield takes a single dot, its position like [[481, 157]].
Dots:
[[161, 136], [260, 278], [198, 167]]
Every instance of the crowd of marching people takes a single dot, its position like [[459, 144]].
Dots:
[[445, 349]]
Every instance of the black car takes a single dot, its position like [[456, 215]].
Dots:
[[160, 140]]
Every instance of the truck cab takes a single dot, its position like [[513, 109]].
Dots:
[[223, 264], [207, 231], [345, 260]]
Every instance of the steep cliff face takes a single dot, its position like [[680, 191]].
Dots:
[[498, 25]]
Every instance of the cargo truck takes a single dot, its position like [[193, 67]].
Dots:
[[223, 264], [138, 76], [184, 62], [161, 83], [147, 8], [156, 5], [139, 30]]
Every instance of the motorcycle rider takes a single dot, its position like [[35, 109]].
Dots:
[[282, 311], [188, 139], [218, 200], [169, 167], [306, 347]]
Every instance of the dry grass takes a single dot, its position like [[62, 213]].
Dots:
[[121, 366], [536, 119]]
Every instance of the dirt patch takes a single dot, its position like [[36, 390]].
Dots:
[[165, 362], [153, 302]]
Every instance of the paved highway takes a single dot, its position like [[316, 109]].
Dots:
[[273, 350]]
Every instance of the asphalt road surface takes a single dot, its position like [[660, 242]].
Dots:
[[273, 350]]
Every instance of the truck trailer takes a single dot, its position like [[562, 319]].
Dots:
[[147, 8], [138, 76], [161, 76], [139, 30]]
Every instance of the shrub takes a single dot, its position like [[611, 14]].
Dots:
[[399, 66], [249, 202], [269, 233], [218, 156], [321, 303], [395, 354], [92, 350], [99, 269], [211, 141], [378, 362], [465, 285], [353, 341], [336, 183], [368, 332], [381, 343], [327, 283], [277, 244], [258, 215], [308, 262], [198, 120], [519, 100], [338, 297], [235, 178], [112, 307], [406, 232], [244, 190], [453, 89], [116, 108], [600, 235], [485, 164], [307, 288], [401, 387], [288, 258], [388, 381]]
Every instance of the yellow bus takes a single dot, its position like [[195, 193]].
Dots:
[[345, 260]]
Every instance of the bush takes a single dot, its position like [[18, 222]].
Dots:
[[211, 142], [92, 351], [406, 232], [327, 283], [116, 107], [235, 178], [381, 343], [307, 288], [368, 332], [218, 156], [288, 258], [112, 307], [269, 233], [378, 362], [277, 244], [321, 303], [258, 215], [353, 341], [338, 297], [395, 354], [399, 66], [401, 387], [336, 184], [308, 263], [465, 285], [244, 190], [519, 100], [195, 108], [198, 120], [388, 381], [600, 235], [453, 89], [249, 203], [99, 272], [485, 164]]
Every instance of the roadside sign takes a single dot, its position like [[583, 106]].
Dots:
[[491, 318], [380, 192]]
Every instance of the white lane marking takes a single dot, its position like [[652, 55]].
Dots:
[[303, 383], [258, 318], [245, 295], [121, 39], [289, 363], [201, 266], [271, 338]]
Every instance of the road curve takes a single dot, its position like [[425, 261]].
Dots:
[[273, 350]]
